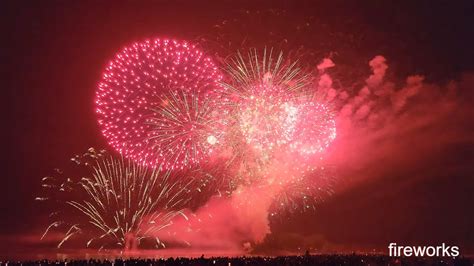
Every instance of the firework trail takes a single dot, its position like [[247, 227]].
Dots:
[[304, 192], [119, 204], [141, 93]]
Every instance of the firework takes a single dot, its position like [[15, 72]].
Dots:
[[264, 90], [275, 108], [184, 130], [281, 125], [315, 129], [119, 204], [304, 192], [162, 104], [134, 89], [267, 122]]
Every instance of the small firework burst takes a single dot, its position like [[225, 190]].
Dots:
[[304, 192], [119, 204], [184, 130]]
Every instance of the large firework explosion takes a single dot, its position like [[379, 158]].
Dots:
[[118, 203], [164, 105], [140, 93]]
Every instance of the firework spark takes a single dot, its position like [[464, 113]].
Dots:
[[119, 204]]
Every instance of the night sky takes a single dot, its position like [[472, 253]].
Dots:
[[415, 188]]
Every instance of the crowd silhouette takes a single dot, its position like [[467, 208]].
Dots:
[[307, 259]]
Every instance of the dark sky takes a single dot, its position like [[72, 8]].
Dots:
[[53, 53]]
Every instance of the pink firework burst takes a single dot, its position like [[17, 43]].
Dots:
[[131, 102], [315, 129]]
